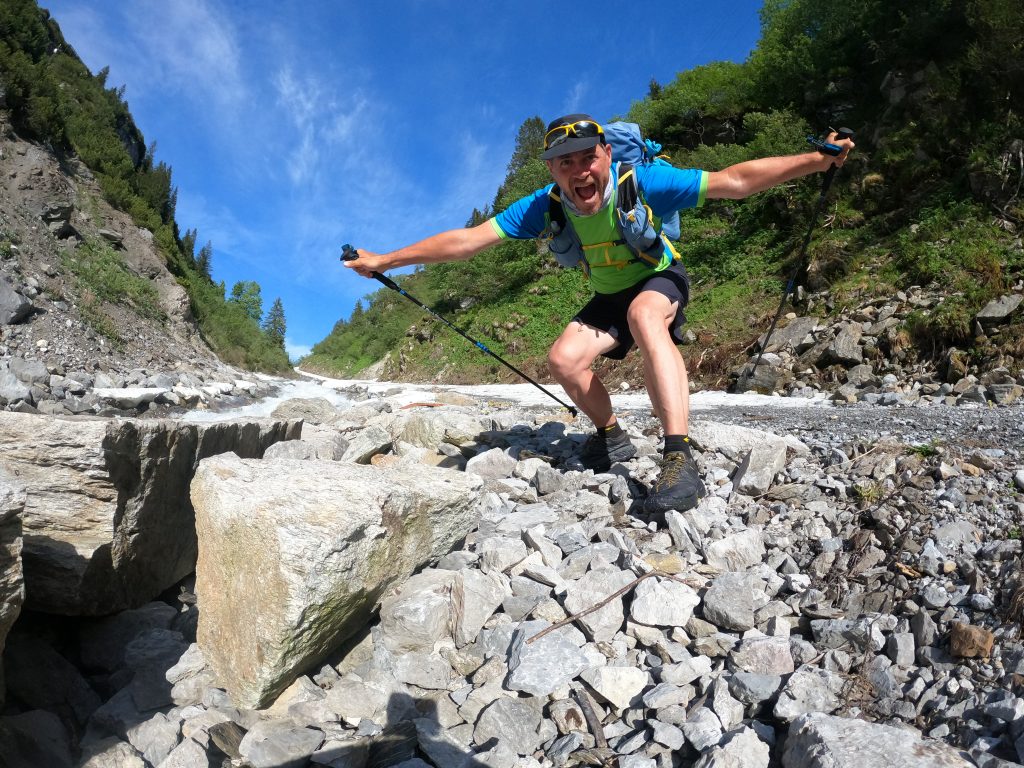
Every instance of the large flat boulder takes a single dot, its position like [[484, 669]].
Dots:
[[818, 740], [108, 524], [295, 555], [12, 587]]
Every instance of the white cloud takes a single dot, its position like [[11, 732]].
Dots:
[[218, 224], [296, 351], [574, 102], [321, 123], [191, 46]]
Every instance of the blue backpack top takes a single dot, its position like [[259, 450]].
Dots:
[[629, 146], [636, 225]]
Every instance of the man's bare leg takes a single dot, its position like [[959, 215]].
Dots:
[[678, 485], [569, 361], [650, 317]]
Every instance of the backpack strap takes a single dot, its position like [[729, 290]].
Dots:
[[556, 211], [628, 192], [644, 241]]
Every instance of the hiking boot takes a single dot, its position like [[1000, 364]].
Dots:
[[678, 486], [599, 452]]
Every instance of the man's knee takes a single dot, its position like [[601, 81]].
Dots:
[[646, 320], [561, 362]]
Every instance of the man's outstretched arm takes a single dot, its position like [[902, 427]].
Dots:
[[453, 245], [745, 179]]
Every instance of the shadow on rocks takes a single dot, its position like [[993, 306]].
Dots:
[[414, 738]]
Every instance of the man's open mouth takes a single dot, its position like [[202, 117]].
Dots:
[[586, 192]]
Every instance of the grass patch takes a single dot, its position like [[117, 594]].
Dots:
[[925, 450], [103, 276]]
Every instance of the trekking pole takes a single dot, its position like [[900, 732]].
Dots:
[[348, 253], [828, 149]]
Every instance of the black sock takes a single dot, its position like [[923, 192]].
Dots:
[[611, 432], [676, 444]]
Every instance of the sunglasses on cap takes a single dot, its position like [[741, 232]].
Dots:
[[581, 129]]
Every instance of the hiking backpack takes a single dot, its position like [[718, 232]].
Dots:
[[635, 220]]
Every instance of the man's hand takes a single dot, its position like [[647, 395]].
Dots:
[[368, 263], [828, 160]]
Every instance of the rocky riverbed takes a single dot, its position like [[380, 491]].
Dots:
[[850, 593]]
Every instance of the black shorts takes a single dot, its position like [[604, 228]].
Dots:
[[607, 311]]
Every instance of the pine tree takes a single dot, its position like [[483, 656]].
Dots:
[[204, 261], [274, 325]]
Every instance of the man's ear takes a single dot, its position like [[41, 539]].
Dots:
[[551, 165]]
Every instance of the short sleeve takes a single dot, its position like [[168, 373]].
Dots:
[[668, 189], [525, 218]]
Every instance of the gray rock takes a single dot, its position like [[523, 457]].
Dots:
[[513, 722], [663, 603], [498, 554], [479, 595], [155, 738], [541, 667], [492, 465], [35, 738], [666, 734], [311, 410], [30, 371], [703, 729], [728, 709], [686, 671], [590, 590], [817, 740], [796, 335], [809, 690], [103, 641], [124, 483], [737, 551], [901, 649], [352, 533], [367, 443], [1000, 309], [742, 748], [279, 744], [924, 629], [13, 306], [12, 390], [842, 633], [424, 670], [111, 752], [619, 686], [757, 472], [763, 656], [666, 695], [729, 601], [845, 348], [440, 745], [752, 688]]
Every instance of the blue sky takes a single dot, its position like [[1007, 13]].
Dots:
[[294, 127]]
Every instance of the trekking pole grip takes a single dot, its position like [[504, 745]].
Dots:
[[348, 253], [841, 134]]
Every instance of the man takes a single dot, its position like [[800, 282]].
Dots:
[[635, 301]]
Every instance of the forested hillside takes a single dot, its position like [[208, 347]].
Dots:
[[931, 197], [55, 102]]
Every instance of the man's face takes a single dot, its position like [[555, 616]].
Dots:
[[582, 176]]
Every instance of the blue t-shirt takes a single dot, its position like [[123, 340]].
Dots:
[[665, 188]]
